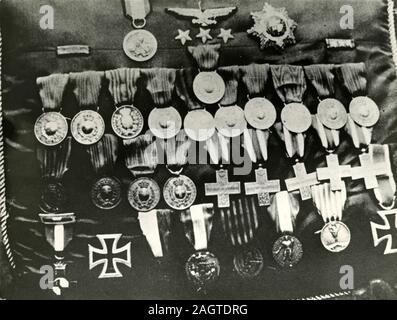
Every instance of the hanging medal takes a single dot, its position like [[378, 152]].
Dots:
[[330, 197], [230, 123], [287, 249], [202, 267], [141, 160], [87, 126], [127, 121], [106, 190], [261, 115], [290, 84], [54, 162], [375, 168], [59, 233], [51, 127], [139, 45], [208, 85]]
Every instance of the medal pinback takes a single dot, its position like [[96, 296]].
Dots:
[[106, 188], [51, 127], [375, 165], [290, 84], [54, 163], [287, 250], [141, 160], [330, 196], [202, 267], [139, 45], [87, 126], [127, 121]]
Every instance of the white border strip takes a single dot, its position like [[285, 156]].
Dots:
[[3, 208], [392, 31]]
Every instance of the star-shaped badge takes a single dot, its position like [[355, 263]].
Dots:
[[204, 35], [226, 34], [183, 36]]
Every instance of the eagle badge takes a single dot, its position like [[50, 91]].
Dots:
[[273, 27], [204, 18]]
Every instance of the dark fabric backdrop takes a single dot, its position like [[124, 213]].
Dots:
[[29, 52]]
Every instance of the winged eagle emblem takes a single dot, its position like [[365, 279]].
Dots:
[[202, 17]]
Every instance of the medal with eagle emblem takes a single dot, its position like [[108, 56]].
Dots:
[[273, 27], [201, 17]]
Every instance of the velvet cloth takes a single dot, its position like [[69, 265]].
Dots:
[[30, 52]]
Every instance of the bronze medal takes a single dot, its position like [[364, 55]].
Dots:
[[180, 192], [230, 121], [260, 113], [140, 45], [106, 193], [364, 111], [127, 122], [51, 128], [287, 251], [296, 117], [335, 236], [332, 114], [144, 194], [248, 262], [87, 127], [202, 269], [165, 123], [53, 198], [209, 87], [199, 125]]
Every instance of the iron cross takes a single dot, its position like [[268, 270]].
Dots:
[[262, 187], [369, 171], [302, 182], [222, 188], [334, 172], [387, 231], [112, 256]]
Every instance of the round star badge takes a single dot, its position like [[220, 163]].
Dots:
[[273, 27]]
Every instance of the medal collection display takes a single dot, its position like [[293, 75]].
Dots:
[[213, 121]]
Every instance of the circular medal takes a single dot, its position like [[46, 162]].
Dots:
[[140, 45], [287, 251], [127, 122], [209, 87], [165, 123], [332, 114], [335, 236], [248, 262], [230, 121], [144, 194], [53, 197], [202, 268], [199, 125], [51, 128], [260, 113], [180, 192], [364, 111], [296, 117], [87, 127], [106, 193]]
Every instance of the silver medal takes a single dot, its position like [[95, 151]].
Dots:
[[51, 128], [140, 45], [127, 122], [144, 194], [209, 87], [87, 127], [180, 192], [335, 236]]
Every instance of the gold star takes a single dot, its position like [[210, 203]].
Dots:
[[204, 35], [183, 36], [226, 34]]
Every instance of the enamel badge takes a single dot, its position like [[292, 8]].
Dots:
[[273, 27]]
